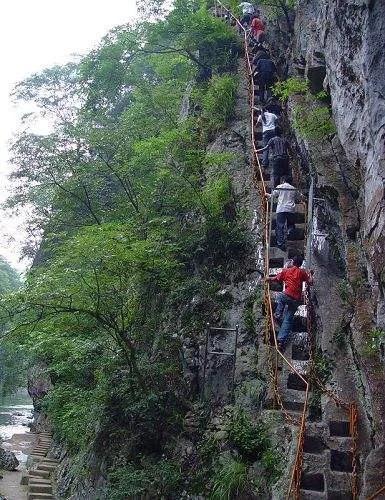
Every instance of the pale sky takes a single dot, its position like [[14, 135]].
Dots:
[[34, 35]]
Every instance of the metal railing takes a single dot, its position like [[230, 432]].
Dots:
[[295, 480]]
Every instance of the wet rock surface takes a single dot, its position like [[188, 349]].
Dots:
[[8, 460], [346, 57]]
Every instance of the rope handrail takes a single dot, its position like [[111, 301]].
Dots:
[[295, 476], [377, 493], [294, 485]]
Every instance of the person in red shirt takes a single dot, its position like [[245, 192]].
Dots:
[[289, 300], [257, 29]]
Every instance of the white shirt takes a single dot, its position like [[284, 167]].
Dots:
[[286, 198], [247, 8], [269, 123]]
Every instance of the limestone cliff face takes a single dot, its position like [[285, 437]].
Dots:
[[339, 46]]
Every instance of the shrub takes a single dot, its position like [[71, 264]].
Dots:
[[272, 463], [344, 291], [218, 103], [250, 439], [230, 480], [374, 341], [313, 121], [217, 195], [323, 366], [292, 86], [158, 480]]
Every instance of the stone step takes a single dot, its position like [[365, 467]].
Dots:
[[300, 353], [338, 481], [293, 406], [343, 444], [292, 248], [277, 255], [295, 399], [40, 496], [312, 495], [295, 247], [39, 480], [46, 467], [295, 382], [340, 495], [39, 473], [314, 463], [40, 488], [300, 366], [297, 236], [341, 461], [339, 428], [314, 445], [314, 482]]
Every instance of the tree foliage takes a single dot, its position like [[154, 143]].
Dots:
[[129, 219]]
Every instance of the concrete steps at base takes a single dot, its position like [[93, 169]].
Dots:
[[28, 479], [39, 487], [39, 473], [46, 467], [40, 496]]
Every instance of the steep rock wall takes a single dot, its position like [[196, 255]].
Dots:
[[339, 46]]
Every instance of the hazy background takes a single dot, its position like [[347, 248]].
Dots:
[[33, 35]]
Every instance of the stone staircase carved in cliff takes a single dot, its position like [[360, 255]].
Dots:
[[327, 457], [324, 467], [39, 477]]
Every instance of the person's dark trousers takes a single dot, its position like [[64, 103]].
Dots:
[[246, 19], [290, 306], [284, 220], [262, 84], [280, 167], [265, 82], [266, 136]]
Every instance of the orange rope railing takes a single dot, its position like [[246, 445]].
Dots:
[[377, 493], [295, 480], [294, 486]]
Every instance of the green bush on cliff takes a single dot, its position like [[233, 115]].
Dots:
[[153, 480], [312, 119], [313, 122], [134, 221], [218, 103], [249, 438], [230, 480], [292, 86]]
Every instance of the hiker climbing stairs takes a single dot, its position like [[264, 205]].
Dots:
[[325, 463], [39, 477]]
